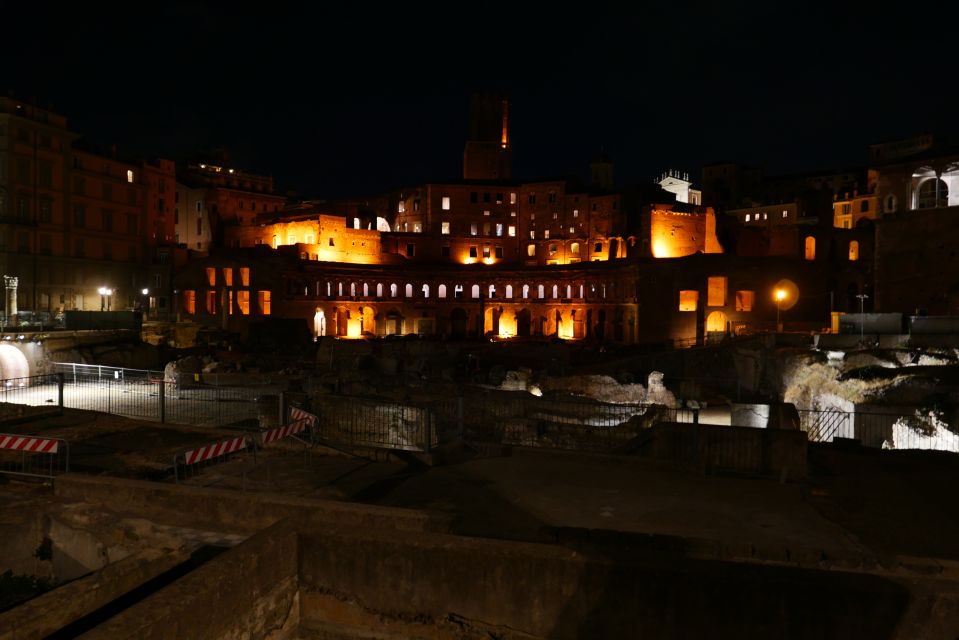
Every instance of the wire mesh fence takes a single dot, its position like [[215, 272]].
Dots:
[[917, 429], [366, 422]]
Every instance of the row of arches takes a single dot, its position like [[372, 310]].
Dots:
[[459, 322], [423, 290]]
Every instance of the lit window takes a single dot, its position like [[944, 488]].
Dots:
[[129, 175], [401, 207], [512, 198], [546, 234], [748, 217], [211, 276], [211, 302], [417, 227], [785, 213], [291, 239], [189, 301], [228, 276], [688, 300], [499, 229], [765, 216], [512, 214], [555, 215], [853, 250], [532, 234], [245, 276], [575, 213], [531, 250], [486, 251], [716, 291], [473, 229], [243, 302], [485, 212], [356, 222], [445, 228], [446, 203], [574, 248], [810, 248], [263, 297], [745, 300], [552, 248], [572, 230]]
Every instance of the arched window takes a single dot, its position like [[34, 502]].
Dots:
[[581, 288], [458, 291], [352, 289], [555, 292], [569, 291], [810, 248], [492, 291], [366, 290], [339, 289], [379, 289], [426, 291], [933, 193], [541, 291], [441, 291], [574, 248], [853, 250], [525, 291], [393, 290], [475, 291], [509, 291], [409, 290]]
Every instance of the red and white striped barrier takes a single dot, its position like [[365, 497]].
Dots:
[[214, 450], [307, 418], [281, 432], [26, 443]]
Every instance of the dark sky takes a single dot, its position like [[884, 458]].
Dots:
[[350, 101]]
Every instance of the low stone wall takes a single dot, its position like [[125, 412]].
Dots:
[[438, 586], [226, 510], [769, 452], [248, 592], [50, 612]]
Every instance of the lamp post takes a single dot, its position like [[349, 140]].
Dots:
[[145, 304], [780, 295], [106, 294]]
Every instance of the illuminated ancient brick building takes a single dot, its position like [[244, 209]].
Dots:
[[74, 219]]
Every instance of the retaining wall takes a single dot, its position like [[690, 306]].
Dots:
[[226, 510]]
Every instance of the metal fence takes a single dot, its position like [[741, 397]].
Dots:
[[365, 422], [894, 430], [137, 393]]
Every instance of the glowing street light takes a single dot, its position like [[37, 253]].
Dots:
[[106, 294], [780, 295]]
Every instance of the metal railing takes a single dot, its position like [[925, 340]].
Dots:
[[196, 399], [893, 430]]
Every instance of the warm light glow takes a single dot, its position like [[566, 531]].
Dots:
[[353, 329], [145, 291], [780, 295]]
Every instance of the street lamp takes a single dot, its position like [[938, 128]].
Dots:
[[106, 293], [780, 295]]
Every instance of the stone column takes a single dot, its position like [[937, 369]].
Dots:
[[10, 282]]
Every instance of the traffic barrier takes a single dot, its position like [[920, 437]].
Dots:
[[299, 415], [38, 457], [26, 443], [281, 432], [193, 457]]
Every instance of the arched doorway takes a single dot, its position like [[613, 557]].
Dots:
[[319, 323], [458, 323], [716, 322], [523, 323]]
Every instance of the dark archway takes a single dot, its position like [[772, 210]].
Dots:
[[458, 323], [524, 323]]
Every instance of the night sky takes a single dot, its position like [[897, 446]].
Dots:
[[339, 102]]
